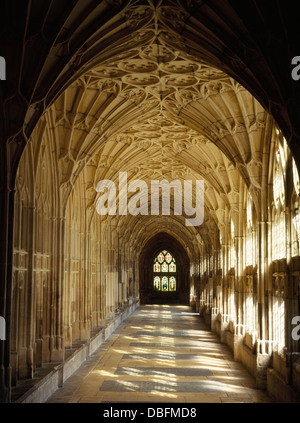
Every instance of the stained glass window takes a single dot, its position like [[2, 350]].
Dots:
[[161, 257], [157, 283], [165, 284], [172, 284], [168, 257], [172, 267], [156, 267], [164, 268]]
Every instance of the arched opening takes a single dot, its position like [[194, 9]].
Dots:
[[154, 99], [164, 271]]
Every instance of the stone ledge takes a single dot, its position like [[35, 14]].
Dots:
[[55, 379]]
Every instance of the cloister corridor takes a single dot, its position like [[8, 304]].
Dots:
[[161, 353], [149, 201]]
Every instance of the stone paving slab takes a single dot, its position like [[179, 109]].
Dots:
[[164, 345], [149, 386], [170, 334], [162, 371], [161, 354]]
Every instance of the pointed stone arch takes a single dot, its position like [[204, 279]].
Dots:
[[157, 243]]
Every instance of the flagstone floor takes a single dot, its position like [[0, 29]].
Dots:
[[165, 354]]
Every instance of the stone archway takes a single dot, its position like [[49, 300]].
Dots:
[[88, 100], [147, 294]]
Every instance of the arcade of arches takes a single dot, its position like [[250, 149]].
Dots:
[[172, 90]]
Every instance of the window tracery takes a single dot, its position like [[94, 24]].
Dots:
[[278, 240], [278, 214], [164, 272], [295, 211]]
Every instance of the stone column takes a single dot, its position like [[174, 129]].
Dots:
[[6, 258], [56, 296], [264, 345], [28, 366], [7, 199], [261, 305]]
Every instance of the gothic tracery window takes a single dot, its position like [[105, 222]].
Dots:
[[278, 218], [278, 238], [164, 272], [295, 211], [249, 229]]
